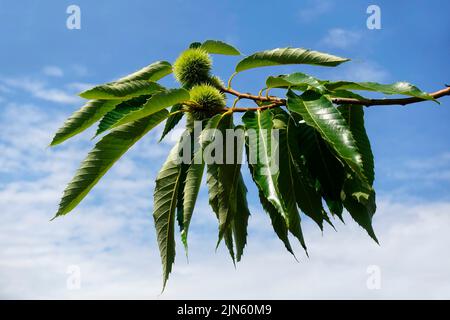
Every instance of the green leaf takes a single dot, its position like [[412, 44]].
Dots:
[[403, 88], [238, 225], [180, 199], [360, 203], [219, 47], [278, 222], [168, 183], [307, 197], [288, 56], [122, 90], [343, 94], [354, 115], [105, 153], [322, 165], [296, 80], [259, 141], [191, 189], [82, 119], [287, 180], [172, 120], [214, 191], [155, 103], [152, 72], [195, 45], [229, 242], [241, 216], [227, 174], [318, 112], [113, 116], [212, 181]]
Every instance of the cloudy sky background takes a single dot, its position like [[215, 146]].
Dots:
[[110, 237]]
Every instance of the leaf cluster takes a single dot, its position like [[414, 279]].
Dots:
[[325, 160]]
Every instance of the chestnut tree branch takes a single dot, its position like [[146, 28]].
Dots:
[[277, 102]]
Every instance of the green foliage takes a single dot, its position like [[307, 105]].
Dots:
[[105, 153], [82, 119], [308, 155], [318, 112], [141, 108], [191, 188]]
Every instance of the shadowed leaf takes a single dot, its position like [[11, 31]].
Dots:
[[318, 112], [166, 195]]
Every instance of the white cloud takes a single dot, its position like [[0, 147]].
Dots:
[[359, 71], [79, 86], [422, 170], [40, 90], [53, 71], [314, 9], [111, 235], [341, 38]]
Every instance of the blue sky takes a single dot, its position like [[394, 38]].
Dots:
[[45, 65]]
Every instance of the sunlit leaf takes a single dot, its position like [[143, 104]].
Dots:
[[152, 72], [82, 119], [288, 56], [354, 115], [296, 80], [105, 153], [259, 141], [219, 47], [155, 103], [113, 116], [122, 90], [403, 88]]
